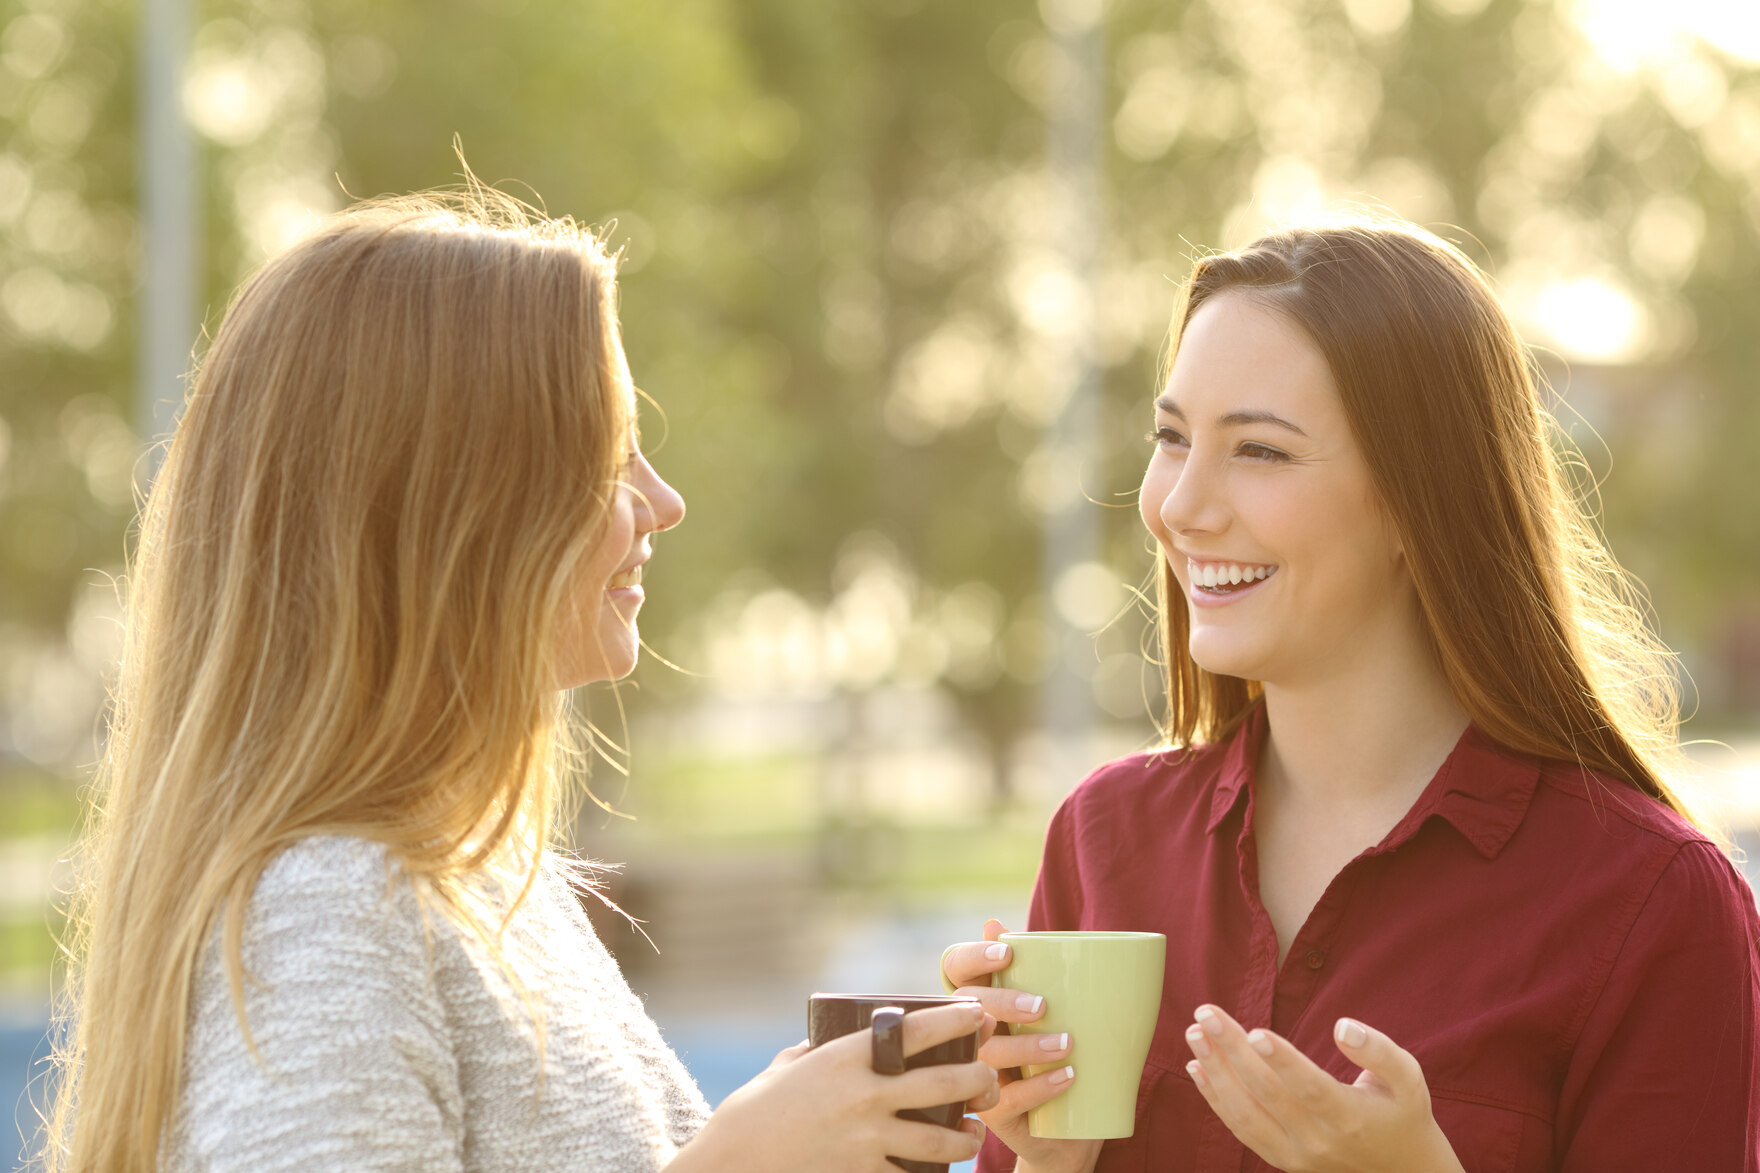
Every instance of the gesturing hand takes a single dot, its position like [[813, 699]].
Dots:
[[1280, 1104]]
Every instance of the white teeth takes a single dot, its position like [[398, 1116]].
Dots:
[[1214, 574]]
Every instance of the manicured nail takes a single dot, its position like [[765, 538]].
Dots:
[[1207, 1018], [1062, 1075], [1197, 1042], [1029, 1002], [996, 952], [1350, 1033], [1196, 1071], [1053, 1042], [1260, 1042]]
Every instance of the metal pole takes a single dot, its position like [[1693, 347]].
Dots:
[[170, 222], [1075, 153]]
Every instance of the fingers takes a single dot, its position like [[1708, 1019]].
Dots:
[[789, 1054], [1275, 1074], [913, 1140], [991, 1097], [970, 963], [1222, 1049], [1006, 1005], [944, 1083], [1019, 1050], [1024, 1094], [1385, 1063], [938, 1024]]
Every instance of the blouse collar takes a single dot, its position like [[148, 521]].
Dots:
[[1482, 790]]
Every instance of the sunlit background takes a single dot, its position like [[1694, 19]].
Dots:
[[897, 273]]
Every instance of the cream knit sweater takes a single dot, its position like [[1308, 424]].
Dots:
[[391, 1040]]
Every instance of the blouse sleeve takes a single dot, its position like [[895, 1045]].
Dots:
[[1057, 893], [356, 1072], [1664, 1074]]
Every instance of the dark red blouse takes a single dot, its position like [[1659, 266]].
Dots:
[[1575, 967]]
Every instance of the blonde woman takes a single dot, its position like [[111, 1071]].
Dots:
[[321, 924], [1433, 898]]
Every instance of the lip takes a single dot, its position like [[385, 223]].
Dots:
[[1201, 599], [633, 591]]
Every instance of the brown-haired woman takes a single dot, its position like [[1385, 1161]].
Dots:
[[321, 925], [1433, 899]]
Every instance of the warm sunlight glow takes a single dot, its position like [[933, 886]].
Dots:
[[1590, 319], [1632, 34]]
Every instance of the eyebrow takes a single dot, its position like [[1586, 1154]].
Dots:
[[1234, 419]]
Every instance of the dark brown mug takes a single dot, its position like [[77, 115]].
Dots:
[[831, 1016]]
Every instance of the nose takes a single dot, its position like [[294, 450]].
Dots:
[[1193, 504], [658, 505]]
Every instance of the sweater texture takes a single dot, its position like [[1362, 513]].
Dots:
[[392, 1040]]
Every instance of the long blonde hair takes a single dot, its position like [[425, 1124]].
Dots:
[[401, 445], [1541, 635]]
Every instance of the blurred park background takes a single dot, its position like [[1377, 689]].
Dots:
[[897, 275]]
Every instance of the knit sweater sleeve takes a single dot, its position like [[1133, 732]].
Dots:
[[357, 1070]]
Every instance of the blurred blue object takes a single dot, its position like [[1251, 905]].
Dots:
[[24, 1053]]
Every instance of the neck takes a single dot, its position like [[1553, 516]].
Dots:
[[1374, 729]]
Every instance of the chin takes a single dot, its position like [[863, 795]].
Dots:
[[1225, 656], [613, 664]]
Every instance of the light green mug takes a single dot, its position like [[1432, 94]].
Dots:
[[1105, 990]]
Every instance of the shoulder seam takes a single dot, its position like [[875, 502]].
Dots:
[[1656, 826], [1636, 903]]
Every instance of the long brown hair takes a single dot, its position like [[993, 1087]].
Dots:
[[401, 445], [1541, 635]]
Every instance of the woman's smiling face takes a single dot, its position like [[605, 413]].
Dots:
[[1264, 506]]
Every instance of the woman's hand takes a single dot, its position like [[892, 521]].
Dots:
[[825, 1108], [1280, 1104], [968, 966]]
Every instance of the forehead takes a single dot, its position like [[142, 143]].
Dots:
[[1238, 353]]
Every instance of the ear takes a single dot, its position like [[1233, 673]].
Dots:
[[1396, 541]]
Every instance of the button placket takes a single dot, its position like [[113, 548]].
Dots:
[[1299, 978]]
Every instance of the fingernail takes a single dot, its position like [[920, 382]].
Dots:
[[1197, 1042], [1029, 1002], [976, 1010], [1196, 1071], [1260, 1042], [1063, 1075], [1053, 1042], [1350, 1032], [996, 952], [1208, 1019]]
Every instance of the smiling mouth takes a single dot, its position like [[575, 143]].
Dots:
[[625, 580], [1225, 578]]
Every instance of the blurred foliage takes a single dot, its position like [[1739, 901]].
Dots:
[[834, 222]]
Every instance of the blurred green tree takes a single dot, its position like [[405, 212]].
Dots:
[[834, 219]]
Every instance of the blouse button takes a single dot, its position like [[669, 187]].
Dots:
[[1315, 959]]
